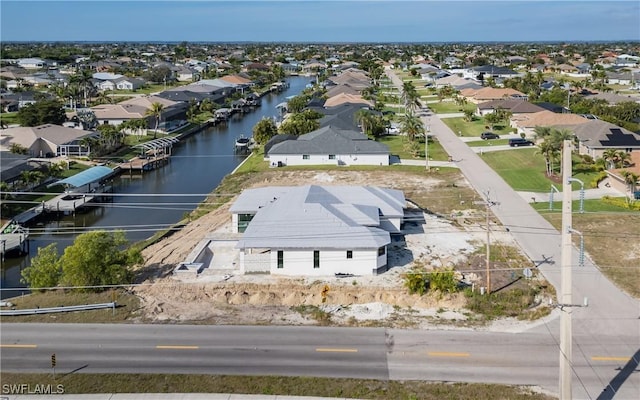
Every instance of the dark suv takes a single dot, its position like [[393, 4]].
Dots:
[[489, 135], [520, 142]]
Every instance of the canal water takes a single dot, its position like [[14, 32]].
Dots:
[[144, 204]]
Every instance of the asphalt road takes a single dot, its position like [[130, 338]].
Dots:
[[523, 358]]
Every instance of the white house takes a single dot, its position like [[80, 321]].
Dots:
[[316, 230], [32, 63], [328, 145]]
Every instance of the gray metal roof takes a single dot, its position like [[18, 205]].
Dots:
[[329, 140], [318, 217]]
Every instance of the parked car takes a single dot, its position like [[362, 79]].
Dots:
[[489, 135], [520, 142]]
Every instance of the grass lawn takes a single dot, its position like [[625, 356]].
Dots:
[[80, 383], [9, 118], [255, 162], [524, 170], [146, 90], [474, 128], [448, 107], [589, 206], [127, 306], [396, 145], [488, 143]]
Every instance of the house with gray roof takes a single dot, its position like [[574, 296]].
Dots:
[[316, 230], [596, 136], [514, 106], [47, 140], [329, 146]]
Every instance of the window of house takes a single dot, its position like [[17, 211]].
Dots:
[[243, 221], [316, 259], [349, 254], [305, 156], [332, 156], [280, 259], [382, 250]]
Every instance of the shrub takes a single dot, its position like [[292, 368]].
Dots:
[[416, 281], [598, 178], [623, 202], [443, 280]]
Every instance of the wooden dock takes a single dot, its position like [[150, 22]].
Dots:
[[144, 164]]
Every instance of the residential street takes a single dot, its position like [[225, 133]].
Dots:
[[611, 314]]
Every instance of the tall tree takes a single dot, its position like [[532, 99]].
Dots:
[[412, 126], [264, 130], [42, 112], [96, 258], [410, 96], [156, 111], [45, 269]]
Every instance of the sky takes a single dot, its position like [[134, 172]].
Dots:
[[319, 21]]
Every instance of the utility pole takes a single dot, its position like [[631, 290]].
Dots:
[[488, 203], [488, 262], [565, 275]]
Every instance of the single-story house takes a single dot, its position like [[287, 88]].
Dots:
[[137, 108], [514, 106], [317, 230], [47, 140], [526, 123], [489, 93], [329, 146], [343, 98], [596, 136], [482, 72]]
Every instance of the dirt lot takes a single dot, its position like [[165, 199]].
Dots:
[[431, 241]]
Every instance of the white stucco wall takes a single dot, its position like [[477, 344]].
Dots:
[[234, 223], [323, 159], [300, 262]]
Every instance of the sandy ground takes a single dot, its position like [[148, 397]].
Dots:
[[226, 297]]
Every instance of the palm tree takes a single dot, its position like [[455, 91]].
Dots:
[[549, 152], [412, 126], [30, 177], [622, 158], [83, 80], [365, 119], [610, 155], [630, 179], [410, 96], [156, 111], [541, 132]]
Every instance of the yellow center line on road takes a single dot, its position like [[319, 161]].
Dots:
[[19, 346], [333, 350], [175, 347], [447, 354], [602, 358]]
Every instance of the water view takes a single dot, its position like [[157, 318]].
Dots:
[[147, 203]]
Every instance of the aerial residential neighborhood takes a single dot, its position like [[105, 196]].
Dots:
[[289, 199]]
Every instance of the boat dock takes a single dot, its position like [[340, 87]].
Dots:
[[13, 237]]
